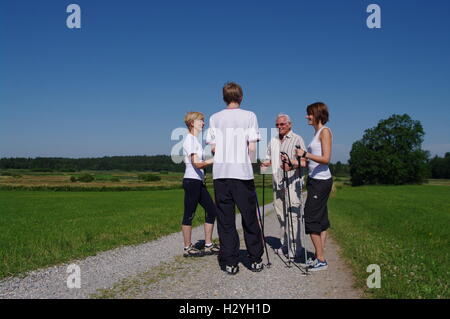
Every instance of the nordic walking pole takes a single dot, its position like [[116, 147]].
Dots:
[[264, 203], [262, 230], [302, 211], [289, 211]]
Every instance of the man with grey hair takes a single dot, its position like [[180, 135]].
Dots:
[[285, 141]]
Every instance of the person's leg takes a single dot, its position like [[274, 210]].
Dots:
[[323, 238], [208, 233], [187, 233], [211, 213], [312, 217], [325, 187], [295, 206], [280, 210], [317, 242], [191, 198], [226, 224], [245, 198]]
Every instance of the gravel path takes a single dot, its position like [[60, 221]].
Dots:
[[157, 270]]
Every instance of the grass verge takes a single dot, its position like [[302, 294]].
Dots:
[[403, 229], [44, 228]]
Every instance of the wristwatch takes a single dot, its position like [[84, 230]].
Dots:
[[304, 154]]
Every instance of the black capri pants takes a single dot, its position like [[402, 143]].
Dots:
[[316, 210], [195, 192]]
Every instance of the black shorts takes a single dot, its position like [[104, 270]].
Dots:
[[316, 210]]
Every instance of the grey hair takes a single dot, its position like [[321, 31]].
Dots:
[[284, 115]]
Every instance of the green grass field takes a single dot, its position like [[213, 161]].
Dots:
[[403, 229], [42, 228]]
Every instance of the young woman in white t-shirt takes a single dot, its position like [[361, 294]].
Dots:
[[320, 182], [195, 191]]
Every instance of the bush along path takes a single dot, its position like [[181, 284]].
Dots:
[[158, 270]]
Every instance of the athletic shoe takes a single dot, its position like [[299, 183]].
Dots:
[[232, 270], [213, 249], [318, 265], [311, 262], [191, 251], [256, 267]]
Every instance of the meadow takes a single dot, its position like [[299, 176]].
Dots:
[[43, 228], [403, 229]]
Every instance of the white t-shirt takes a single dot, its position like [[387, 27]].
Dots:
[[230, 130], [191, 145]]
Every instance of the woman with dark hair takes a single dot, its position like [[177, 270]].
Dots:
[[320, 182]]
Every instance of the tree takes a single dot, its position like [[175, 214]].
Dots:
[[440, 166], [390, 153]]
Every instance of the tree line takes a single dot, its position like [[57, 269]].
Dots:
[[440, 166], [390, 153], [154, 163]]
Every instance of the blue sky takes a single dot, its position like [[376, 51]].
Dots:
[[123, 82]]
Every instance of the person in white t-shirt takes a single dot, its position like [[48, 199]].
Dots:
[[195, 191], [233, 134]]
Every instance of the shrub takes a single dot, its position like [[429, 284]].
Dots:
[[6, 174], [149, 177], [40, 169], [73, 179], [115, 179], [86, 178]]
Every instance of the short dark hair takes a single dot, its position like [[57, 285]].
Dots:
[[232, 92], [320, 112]]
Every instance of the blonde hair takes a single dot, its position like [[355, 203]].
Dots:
[[190, 117]]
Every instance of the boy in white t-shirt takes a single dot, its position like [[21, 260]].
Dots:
[[233, 134]]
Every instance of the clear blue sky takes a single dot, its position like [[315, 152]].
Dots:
[[122, 83]]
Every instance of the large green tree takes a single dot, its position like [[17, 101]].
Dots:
[[390, 153]]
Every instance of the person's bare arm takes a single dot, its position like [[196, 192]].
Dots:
[[266, 163], [325, 140], [199, 164], [252, 151]]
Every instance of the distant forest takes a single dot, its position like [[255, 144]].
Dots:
[[155, 163], [124, 163], [439, 167]]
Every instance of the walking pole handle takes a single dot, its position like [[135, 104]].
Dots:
[[300, 168]]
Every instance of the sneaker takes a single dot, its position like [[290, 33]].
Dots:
[[318, 265], [232, 270], [311, 262], [191, 251], [256, 267], [213, 249]]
